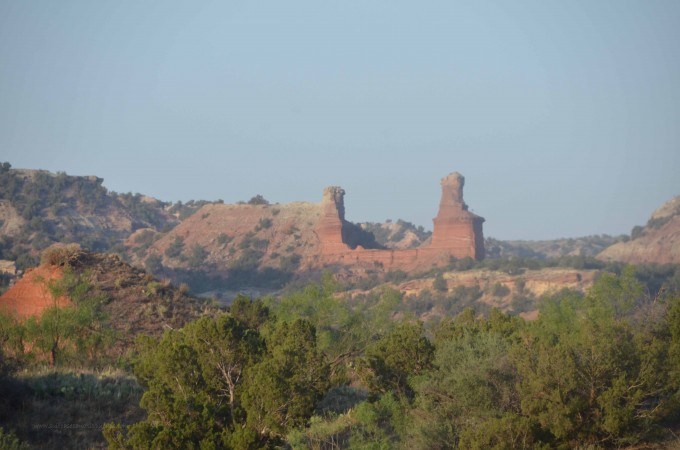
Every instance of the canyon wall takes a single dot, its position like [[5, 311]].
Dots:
[[457, 233]]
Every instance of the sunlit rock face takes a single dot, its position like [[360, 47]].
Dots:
[[457, 233], [456, 229]]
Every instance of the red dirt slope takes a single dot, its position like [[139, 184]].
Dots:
[[30, 295]]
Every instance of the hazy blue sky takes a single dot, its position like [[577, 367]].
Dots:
[[564, 116]]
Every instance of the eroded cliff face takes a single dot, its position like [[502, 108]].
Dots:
[[331, 222], [226, 241], [456, 229], [657, 242], [457, 233]]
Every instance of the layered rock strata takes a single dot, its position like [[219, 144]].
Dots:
[[457, 233]]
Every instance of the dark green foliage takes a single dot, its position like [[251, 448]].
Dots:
[[378, 424], [636, 232], [184, 210], [587, 375], [587, 246], [343, 328], [175, 249], [144, 213], [598, 370], [191, 377], [219, 384], [282, 390], [144, 240], [472, 382], [8, 441], [463, 264], [522, 302], [396, 276], [223, 239], [251, 242], [339, 329], [499, 290], [263, 224], [154, 263], [394, 358], [258, 200], [197, 256], [516, 265], [248, 261], [76, 334], [368, 283], [253, 314], [439, 283], [32, 194], [63, 410], [460, 298], [289, 263]]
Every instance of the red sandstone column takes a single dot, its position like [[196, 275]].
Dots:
[[457, 230]]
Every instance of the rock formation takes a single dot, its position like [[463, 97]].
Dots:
[[332, 220], [299, 238], [456, 229], [657, 242], [457, 233]]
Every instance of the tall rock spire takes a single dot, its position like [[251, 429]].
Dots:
[[455, 228]]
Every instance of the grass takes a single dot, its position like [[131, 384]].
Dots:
[[59, 409]]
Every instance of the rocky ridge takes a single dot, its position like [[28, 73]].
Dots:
[[39, 208], [657, 242], [247, 244]]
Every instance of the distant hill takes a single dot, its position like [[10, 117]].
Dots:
[[39, 208], [397, 235], [217, 247], [230, 245], [226, 247], [656, 242], [554, 248]]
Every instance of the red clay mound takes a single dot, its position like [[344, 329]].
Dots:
[[30, 295]]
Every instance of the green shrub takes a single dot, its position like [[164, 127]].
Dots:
[[263, 224], [9, 441], [258, 200], [175, 249], [439, 283], [61, 255], [499, 290]]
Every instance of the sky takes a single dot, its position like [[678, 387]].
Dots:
[[563, 116]]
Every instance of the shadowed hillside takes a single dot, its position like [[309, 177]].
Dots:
[[656, 242]]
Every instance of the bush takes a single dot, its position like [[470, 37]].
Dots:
[[8, 441], [198, 256], [175, 249], [500, 290], [637, 232], [289, 263], [61, 255], [396, 276], [263, 224], [258, 200], [154, 263], [223, 238], [439, 283]]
